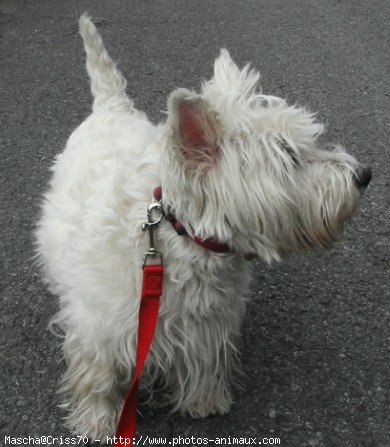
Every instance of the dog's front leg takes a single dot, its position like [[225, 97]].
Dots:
[[91, 387], [206, 367]]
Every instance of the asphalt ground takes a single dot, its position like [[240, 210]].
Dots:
[[316, 338]]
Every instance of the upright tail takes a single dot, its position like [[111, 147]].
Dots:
[[107, 83]]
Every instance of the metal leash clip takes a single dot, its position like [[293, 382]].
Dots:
[[154, 214]]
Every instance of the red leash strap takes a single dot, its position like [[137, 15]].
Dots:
[[152, 285]]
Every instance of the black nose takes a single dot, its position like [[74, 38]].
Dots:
[[362, 177]]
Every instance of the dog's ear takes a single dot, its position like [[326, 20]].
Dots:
[[225, 69], [231, 80], [194, 127]]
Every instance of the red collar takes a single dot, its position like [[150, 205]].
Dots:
[[209, 243]]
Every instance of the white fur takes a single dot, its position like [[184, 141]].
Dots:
[[250, 194]]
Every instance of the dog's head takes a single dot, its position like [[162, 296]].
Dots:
[[246, 168]]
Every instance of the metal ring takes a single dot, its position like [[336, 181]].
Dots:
[[155, 206]]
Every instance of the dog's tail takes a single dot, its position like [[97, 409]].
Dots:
[[107, 83]]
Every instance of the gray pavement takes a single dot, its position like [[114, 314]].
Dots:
[[316, 338]]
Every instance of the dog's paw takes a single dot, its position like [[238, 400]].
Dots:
[[208, 404], [95, 420]]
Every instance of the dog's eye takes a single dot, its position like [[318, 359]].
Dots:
[[290, 151]]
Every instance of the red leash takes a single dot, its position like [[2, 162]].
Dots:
[[152, 287], [148, 313]]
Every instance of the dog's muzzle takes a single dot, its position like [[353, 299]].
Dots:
[[362, 177]]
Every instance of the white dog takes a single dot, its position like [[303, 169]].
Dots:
[[235, 166]]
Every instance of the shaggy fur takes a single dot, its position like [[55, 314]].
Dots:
[[235, 165]]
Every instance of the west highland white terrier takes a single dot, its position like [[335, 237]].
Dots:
[[236, 168]]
